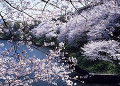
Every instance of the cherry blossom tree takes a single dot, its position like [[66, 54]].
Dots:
[[19, 69], [16, 67], [99, 23], [104, 50], [88, 18]]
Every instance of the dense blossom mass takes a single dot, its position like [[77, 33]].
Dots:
[[20, 69], [92, 24], [97, 26], [46, 28], [104, 50], [99, 23]]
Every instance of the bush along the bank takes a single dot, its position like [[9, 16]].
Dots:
[[43, 40]]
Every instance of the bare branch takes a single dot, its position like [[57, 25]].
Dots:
[[3, 20], [77, 10], [18, 9], [45, 5], [50, 4]]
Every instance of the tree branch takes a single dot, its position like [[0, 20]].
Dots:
[[50, 4], [18, 9], [45, 5], [77, 10]]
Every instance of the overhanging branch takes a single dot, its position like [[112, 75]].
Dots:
[[18, 9]]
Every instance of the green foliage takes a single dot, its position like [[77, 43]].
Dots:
[[38, 41], [96, 66], [70, 49], [100, 66], [16, 25]]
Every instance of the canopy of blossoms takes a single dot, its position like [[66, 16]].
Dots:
[[90, 20]]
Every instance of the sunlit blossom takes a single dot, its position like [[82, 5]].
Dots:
[[103, 50], [2, 44]]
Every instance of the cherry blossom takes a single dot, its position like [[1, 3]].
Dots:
[[103, 50]]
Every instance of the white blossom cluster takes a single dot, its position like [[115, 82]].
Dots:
[[94, 24], [88, 27], [19, 69], [100, 45], [47, 28], [2, 44], [103, 50], [97, 23], [16, 67]]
